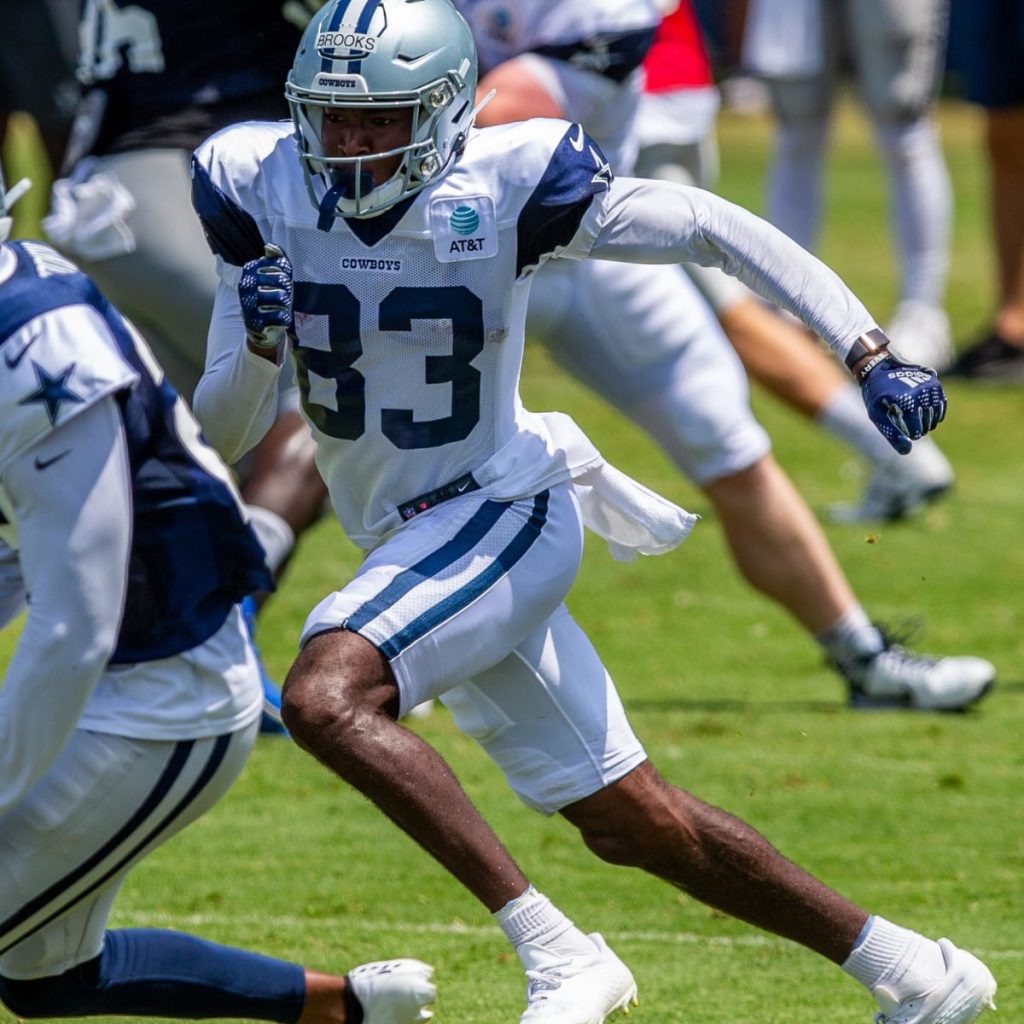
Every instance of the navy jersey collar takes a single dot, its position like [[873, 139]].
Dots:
[[370, 230]]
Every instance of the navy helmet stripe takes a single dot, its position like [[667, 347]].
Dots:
[[467, 538], [336, 20], [363, 25], [466, 595], [339, 14], [168, 777]]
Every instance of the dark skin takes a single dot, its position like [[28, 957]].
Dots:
[[340, 703]]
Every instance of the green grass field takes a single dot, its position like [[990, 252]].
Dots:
[[917, 817]]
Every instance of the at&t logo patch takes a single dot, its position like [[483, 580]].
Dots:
[[464, 220], [464, 228]]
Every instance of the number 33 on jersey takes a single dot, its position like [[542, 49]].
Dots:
[[410, 324]]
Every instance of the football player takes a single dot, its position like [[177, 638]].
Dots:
[[645, 339], [133, 696], [401, 243], [123, 212]]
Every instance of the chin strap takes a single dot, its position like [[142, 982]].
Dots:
[[8, 200], [480, 106], [341, 190]]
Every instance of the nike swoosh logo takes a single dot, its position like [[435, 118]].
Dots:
[[577, 143], [46, 463], [12, 360]]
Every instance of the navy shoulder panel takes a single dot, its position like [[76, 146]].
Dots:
[[43, 281], [231, 233], [549, 220], [614, 55]]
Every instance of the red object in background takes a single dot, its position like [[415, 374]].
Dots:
[[677, 58]]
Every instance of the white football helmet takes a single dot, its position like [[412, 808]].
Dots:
[[388, 53], [7, 200]]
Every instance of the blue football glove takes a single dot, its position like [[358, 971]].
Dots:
[[265, 294], [903, 400]]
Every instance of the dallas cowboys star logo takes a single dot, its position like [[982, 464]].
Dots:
[[52, 391]]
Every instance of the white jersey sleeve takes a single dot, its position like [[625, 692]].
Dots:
[[647, 221], [236, 398], [71, 498]]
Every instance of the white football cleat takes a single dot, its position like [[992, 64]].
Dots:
[[967, 988], [575, 989], [394, 991], [900, 487], [920, 333], [898, 678]]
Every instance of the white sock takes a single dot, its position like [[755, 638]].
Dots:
[[896, 960], [533, 918], [845, 418], [922, 206], [851, 637], [273, 533]]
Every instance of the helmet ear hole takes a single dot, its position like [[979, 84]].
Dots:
[[357, 66]]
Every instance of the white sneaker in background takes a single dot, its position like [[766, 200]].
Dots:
[[394, 991], [921, 334], [967, 988], [900, 487], [898, 678], [575, 989]]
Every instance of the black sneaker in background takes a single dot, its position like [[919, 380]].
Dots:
[[991, 358]]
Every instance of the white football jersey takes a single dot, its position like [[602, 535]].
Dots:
[[44, 379], [410, 325], [586, 53], [503, 29]]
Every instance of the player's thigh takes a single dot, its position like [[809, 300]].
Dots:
[[697, 407], [645, 340], [549, 717], [898, 49], [810, 97], [168, 283], [453, 592], [603, 320], [105, 803]]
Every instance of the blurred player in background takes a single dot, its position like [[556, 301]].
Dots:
[[988, 40], [133, 697], [161, 76], [897, 48], [645, 339], [676, 128], [400, 246], [37, 69]]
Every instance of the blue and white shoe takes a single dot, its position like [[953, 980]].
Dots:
[[271, 723]]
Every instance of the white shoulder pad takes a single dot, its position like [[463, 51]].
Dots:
[[515, 157], [54, 367], [253, 176]]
